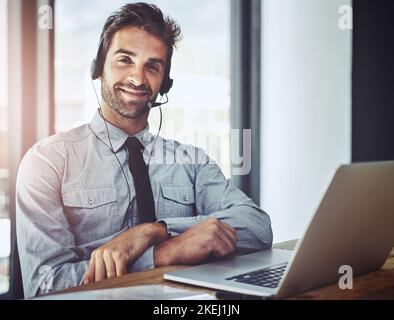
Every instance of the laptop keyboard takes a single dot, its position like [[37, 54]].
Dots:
[[269, 278]]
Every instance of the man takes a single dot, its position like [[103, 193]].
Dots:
[[91, 205]]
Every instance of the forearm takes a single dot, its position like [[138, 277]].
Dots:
[[147, 260], [49, 280], [210, 237], [253, 225], [130, 251], [153, 233]]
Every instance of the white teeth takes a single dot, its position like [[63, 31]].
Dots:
[[133, 93]]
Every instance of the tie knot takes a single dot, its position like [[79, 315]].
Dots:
[[133, 144]]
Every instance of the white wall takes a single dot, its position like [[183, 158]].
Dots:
[[306, 108]]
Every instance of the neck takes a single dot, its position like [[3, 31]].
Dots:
[[130, 126]]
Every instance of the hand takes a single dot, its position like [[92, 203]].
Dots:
[[196, 244], [111, 260]]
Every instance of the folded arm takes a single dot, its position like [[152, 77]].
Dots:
[[226, 221]]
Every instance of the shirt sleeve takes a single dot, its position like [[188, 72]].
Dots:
[[144, 262], [47, 250], [219, 198]]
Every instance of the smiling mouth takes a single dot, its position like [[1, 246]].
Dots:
[[134, 93]]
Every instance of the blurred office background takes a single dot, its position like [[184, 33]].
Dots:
[[311, 82]]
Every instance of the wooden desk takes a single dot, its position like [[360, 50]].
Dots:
[[374, 285]]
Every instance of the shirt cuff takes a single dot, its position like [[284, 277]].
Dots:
[[176, 226], [145, 262]]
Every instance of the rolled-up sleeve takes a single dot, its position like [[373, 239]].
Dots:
[[48, 254], [217, 197]]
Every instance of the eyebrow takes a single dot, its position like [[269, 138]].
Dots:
[[133, 54]]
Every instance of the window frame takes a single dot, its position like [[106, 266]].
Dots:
[[30, 58], [6, 295], [246, 85]]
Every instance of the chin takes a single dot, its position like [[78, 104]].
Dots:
[[133, 112]]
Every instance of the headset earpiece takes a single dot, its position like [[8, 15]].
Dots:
[[166, 86], [93, 70], [96, 68], [167, 82]]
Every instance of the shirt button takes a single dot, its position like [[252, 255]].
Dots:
[[185, 198], [91, 201]]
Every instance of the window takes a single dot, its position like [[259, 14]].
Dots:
[[306, 119], [4, 214], [198, 111]]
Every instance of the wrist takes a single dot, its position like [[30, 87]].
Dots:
[[161, 231], [162, 254], [152, 233]]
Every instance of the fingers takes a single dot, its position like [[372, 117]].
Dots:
[[121, 265], [110, 266], [230, 232], [224, 245], [89, 275], [105, 264], [224, 240], [100, 270]]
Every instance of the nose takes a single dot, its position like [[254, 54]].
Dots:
[[137, 76]]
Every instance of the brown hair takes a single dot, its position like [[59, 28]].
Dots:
[[147, 17]]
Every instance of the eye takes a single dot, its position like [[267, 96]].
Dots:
[[124, 60], [153, 68]]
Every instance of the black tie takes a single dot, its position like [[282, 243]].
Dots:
[[143, 189]]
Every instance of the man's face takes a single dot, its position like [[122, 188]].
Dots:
[[133, 71]]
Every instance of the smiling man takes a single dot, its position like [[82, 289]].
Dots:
[[126, 100], [90, 203]]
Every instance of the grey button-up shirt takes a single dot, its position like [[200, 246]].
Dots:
[[72, 198]]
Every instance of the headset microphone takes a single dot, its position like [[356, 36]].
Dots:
[[152, 105]]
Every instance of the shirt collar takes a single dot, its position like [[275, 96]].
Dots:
[[117, 136]]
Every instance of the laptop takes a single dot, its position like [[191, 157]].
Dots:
[[353, 226]]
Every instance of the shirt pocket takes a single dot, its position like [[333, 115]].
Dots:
[[91, 211], [176, 201]]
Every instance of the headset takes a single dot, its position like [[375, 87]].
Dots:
[[96, 71], [97, 67]]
